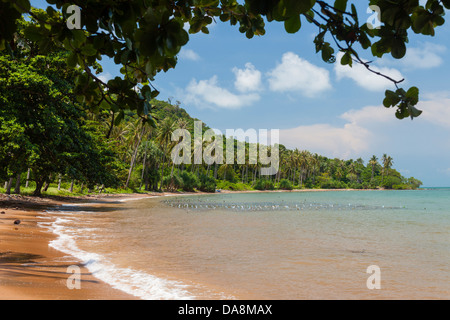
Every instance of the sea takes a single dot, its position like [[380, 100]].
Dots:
[[329, 245]]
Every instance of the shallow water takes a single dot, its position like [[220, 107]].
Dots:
[[295, 245]]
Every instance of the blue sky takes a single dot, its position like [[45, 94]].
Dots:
[[278, 82]]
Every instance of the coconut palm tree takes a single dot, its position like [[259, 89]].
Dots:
[[387, 163], [164, 138], [373, 162]]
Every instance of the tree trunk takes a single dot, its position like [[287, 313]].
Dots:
[[71, 186], [143, 168], [173, 165], [39, 184], [59, 183], [300, 179], [162, 167], [17, 189], [8, 187], [47, 184], [28, 177], [133, 159]]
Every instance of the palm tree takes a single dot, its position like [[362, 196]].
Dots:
[[164, 138], [387, 163], [180, 124], [373, 162], [304, 163]]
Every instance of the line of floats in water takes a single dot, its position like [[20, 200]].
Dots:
[[268, 206]]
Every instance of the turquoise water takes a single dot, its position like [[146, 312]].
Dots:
[[291, 245]]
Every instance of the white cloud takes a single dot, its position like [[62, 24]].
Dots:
[[353, 138], [369, 114], [297, 74], [369, 130], [342, 142], [105, 77], [189, 54], [436, 111], [425, 57], [364, 78], [207, 93], [248, 79]]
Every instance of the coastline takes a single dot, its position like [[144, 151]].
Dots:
[[30, 269]]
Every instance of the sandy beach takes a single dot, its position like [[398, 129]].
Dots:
[[30, 269]]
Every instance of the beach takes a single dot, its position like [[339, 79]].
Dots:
[[29, 268]]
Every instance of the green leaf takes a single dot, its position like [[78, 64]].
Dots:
[[22, 6], [398, 50], [72, 60], [347, 59], [414, 112], [340, 5], [327, 53], [89, 50], [413, 95], [119, 118], [293, 24], [391, 99], [294, 7], [79, 36], [364, 40], [33, 33], [446, 3]]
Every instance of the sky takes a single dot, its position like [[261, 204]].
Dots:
[[277, 81]]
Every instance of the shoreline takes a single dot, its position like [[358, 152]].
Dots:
[[30, 269]]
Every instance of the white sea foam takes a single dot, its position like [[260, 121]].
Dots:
[[134, 282], [133, 199]]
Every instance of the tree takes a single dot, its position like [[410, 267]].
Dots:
[[43, 128], [387, 163], [164, 138], [373, 162], [145, 37]]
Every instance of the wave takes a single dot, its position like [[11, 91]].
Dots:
[[134, 282]]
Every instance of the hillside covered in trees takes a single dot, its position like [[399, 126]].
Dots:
[[50, 138], [77, 151]]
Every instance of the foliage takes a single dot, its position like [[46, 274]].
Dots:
[[226, 185], [285, 185], [145, 37], [190, 181], [207, 183], [172, 183], [45, 130], [264, 184]]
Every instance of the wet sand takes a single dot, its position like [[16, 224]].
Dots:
[[29, 268]]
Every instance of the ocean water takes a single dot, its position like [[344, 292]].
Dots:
[[277, 245]]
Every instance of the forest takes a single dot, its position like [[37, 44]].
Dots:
[[53, 140], [49, 142]]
